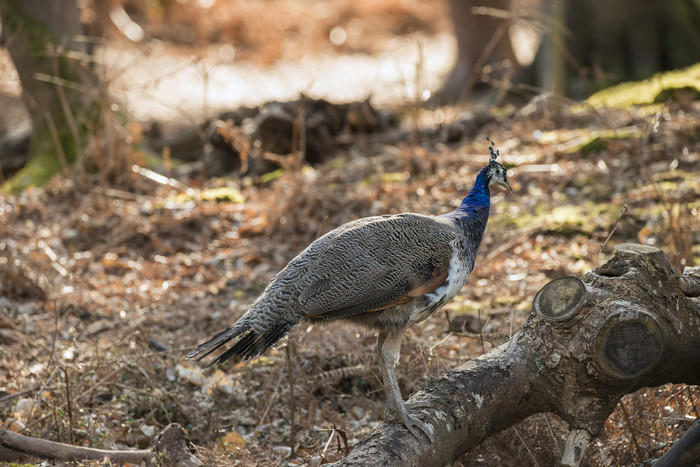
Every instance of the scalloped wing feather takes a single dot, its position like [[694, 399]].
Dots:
[[372, 264]]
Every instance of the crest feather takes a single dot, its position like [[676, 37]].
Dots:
[[492, 149]]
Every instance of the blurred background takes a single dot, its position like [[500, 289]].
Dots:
[[180, 63]]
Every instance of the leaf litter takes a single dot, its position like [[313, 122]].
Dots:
[[104, 289]]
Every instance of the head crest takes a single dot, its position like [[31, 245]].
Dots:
[[492, 149]]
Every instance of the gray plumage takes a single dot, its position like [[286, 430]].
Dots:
[[381, 273]]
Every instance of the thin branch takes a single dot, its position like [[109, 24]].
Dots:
[[692, 402], [630, 426], [65, 106], [481, 330], [69, 404], [56, 140], [526, 446], [64, 452], [272, 398], [551, 432]]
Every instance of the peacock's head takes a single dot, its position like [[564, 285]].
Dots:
[[496, 173]]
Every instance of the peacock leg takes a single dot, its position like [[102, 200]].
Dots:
[[389, 346]]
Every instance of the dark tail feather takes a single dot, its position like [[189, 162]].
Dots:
[[217, 341], [250, 344]]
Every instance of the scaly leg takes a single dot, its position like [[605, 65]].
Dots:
[[388, 346]]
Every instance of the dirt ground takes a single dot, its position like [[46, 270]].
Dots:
[[106, 285]]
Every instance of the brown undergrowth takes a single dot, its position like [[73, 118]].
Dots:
[[104, 289], [106, 283]]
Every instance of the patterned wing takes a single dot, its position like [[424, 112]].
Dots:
[[373, 264]]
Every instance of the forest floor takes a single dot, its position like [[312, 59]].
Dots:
[[106, 283]]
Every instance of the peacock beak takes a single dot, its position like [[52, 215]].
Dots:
[[503, 184]]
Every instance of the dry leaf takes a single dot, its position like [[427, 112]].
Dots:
[[230, 442]]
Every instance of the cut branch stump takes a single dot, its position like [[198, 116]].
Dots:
[[629, 324]]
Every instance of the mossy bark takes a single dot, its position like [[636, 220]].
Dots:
[[57, 83]]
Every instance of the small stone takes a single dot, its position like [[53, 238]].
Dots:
[[192, 375], [148, 430], [7, 305]]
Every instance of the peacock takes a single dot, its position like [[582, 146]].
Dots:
[[381, 274]]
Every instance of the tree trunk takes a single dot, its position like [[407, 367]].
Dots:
[[631, 323], [58, 84], [603, 42], [482, 39]]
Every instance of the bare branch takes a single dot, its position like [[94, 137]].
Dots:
[[37, 447], [171, 448], [631, 323]]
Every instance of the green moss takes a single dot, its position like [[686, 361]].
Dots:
[[512, 220], [597, 140], [271, 176], [506, 301], [539, 364], [16, 19], [155, 161], [467, 307], [656, 89], [566, 220], [54, 144], [338, 163], [570, 220], [394, 177], [370, 180], [431, 384], [42, 165], [223, 194], [675, 93]]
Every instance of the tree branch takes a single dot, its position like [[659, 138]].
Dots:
[[171, 448], [37, 447], [627, 325]]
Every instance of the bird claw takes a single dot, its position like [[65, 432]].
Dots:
[[413, 405], [412, 423]]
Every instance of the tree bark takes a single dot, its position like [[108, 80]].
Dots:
[[59, 86], [631, 323], [482, 40], [606, 42]]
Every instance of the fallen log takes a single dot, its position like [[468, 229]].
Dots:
[[629, 324]]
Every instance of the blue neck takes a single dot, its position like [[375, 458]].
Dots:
[[479, 195], [471, 216]]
